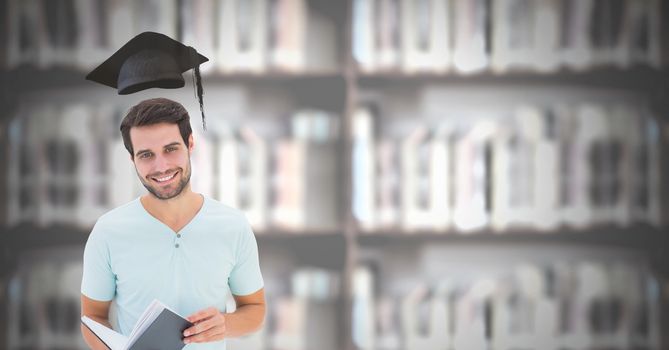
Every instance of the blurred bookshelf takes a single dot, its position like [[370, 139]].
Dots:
[[334, 124]]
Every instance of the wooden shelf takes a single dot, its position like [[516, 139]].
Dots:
[[280, 233], [28, 236], [273, 75], [29, 77], [638, 78], [635, 237], [652, 242]]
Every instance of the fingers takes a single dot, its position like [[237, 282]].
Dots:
[[202, 315], [210, 327], [200, 327], [215, 330]]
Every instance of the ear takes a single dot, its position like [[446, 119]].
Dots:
[[191, 143]]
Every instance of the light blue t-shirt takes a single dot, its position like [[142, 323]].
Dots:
[[133, 257]]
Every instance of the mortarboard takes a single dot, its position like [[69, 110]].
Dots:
[[150, 60]]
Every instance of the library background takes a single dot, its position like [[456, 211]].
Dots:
[[420, 174]]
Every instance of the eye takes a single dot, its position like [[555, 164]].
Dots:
[[145, 155], [171, 149]]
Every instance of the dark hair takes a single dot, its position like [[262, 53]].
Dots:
[[154, 111]]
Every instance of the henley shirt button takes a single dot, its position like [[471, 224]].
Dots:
[[176, 245], [178, 235]]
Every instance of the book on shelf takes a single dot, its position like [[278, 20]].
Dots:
[[287, 34], [253, 178], [227, 169], [473, 176], [197, 18], [93, 45], [61, 36], [644, 20], [621, 121], [645, 147], [202, 163], [574, 23], [546, 36], [425, 317], [77, 129], [546, 170], [154, 16], [242, 165], [23, 46], [364, 174], [320, 43], [574, 171], [387, 185], [425, 31], [415, 194], [25, 173], [363, 308], [513, 170], [363, 41], [471, 50], [440, 177], [304, 187], [603, 158], [513, 31], [119, 26], [377, 34], [157, 328], [426, 180], [609, 33], [525, 35], [470, 314], [525, 172], [243, 31], [387, 32]]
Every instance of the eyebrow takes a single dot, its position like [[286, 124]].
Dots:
[[148, 150]]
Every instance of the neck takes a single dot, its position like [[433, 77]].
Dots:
[[173, 208]]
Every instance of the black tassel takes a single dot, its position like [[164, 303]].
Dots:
[[198, 85]]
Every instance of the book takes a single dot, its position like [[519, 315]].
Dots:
[[288, 32], [471, 51], [197, 21], [158, 328], [574, 46], [202, 163], [364, 175], [254, 177], [363, 48], [387, 183], [414, 162], [424, 35], [242, 40], [387, 34], [472, 176]]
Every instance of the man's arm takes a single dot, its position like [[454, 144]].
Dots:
[[98, 311], [249, 315], [212, 325]]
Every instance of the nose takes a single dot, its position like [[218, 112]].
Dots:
[[160, 164]]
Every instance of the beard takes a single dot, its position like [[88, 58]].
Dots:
[[171, 191]]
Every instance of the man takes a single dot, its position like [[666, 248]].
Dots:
[[171, 244]]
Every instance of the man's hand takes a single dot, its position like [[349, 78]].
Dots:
[[209, 326], [213, 325]]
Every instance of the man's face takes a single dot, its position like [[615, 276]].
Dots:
[[162, 160]]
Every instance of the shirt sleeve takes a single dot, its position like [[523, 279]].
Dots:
[[245, 277], [98, 281]]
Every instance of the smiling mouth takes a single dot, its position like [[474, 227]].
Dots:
[[165, 179]]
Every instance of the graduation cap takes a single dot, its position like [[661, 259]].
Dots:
[[150, 60]]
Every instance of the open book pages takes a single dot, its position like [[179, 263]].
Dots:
[[111, 338], [146, 319], [117, 341]]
